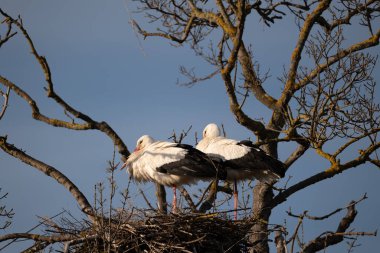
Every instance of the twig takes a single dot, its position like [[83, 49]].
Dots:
[[6, 101], [188, 198]]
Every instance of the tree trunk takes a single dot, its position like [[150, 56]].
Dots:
[[262, 197]]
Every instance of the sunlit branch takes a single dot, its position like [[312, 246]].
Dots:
[[354, 140], [252, 80], [330, 172], [297, 52], [227, 27]]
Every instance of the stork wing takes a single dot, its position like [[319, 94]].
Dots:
[[262, 165], [194, 164]]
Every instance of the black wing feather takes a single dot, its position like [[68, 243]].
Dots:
[[258, 160], [195, 164]]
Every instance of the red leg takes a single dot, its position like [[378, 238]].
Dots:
[[235, 200], [174, 203]]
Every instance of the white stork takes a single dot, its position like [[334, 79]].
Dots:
[[242, 159], [170, 164]]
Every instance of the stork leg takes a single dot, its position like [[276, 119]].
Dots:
[[174, 203], [235, 199]]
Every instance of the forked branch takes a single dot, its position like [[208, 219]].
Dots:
[[331, 238], [89, 122]]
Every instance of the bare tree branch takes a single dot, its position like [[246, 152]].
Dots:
[[6, 101], [329, 239], [188, 199], [330, 172], [51, 172], [297, 52], [370, 42], [90, 123], [9, 34], [280, 241], [37, 237]]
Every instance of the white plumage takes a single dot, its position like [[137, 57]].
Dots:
[[245, 160], [169, 164], [241, 159]]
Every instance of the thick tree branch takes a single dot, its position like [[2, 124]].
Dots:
[[354, 140], [227, 27], [161, 198], [280, 241], [298, 153], [36, 111], [297, 52], [37, 237], [251, 79], [255, 126], [330, 172], [51, 172]]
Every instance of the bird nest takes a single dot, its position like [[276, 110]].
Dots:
[[172, 233]]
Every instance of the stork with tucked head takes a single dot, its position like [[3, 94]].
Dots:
[[244, 159], [170, 164]]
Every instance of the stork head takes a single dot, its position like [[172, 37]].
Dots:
[[143, 141], [211, 131]]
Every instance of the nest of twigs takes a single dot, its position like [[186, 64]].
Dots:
[[170, 233]]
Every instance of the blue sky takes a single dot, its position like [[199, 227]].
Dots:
[[101, 68]]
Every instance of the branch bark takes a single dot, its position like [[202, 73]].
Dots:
[[51, 172], [330, 172], [90, 123], [330, 239], [37, 237]]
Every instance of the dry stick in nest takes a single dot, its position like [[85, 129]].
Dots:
[[188, 231], [181, 233]]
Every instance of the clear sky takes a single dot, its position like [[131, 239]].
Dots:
[[101, 68]]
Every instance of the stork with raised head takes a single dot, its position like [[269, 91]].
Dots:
[[243, 160], [170, 164]]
